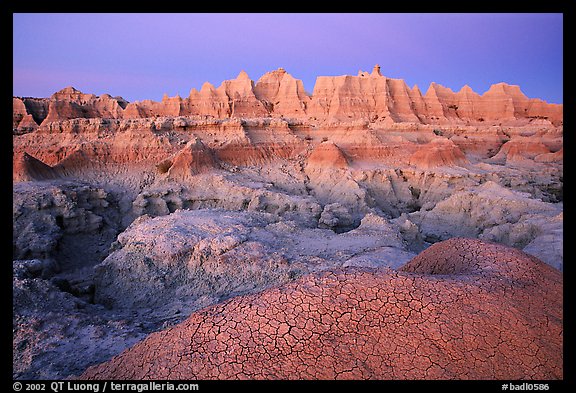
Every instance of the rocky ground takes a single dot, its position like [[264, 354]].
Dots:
[[275, 247], [446, 314]]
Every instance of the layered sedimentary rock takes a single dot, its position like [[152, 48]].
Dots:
[[18, 111], [557, 156], [367, 96], [35, 107], [495, 213], [521, 150], [327, 155], [22, 120], [68, 103], [209, 101]]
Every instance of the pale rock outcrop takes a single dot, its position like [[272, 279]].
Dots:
[[189, 255], [494, 213], [548, 244], [214, 254], [335, 215], [55, 332], [330, 180], [44, 215], [213, 190]]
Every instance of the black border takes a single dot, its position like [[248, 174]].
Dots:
[[509, 6]]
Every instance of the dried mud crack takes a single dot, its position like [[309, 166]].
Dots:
[[463, 309]]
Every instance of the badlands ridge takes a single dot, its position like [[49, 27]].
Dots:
[[365, 231]]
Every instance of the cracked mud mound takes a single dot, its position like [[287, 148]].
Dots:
[[463, 309]]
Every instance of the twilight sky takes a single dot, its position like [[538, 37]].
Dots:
[[143, 56]]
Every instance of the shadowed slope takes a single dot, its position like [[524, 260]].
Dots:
[[28, 168]]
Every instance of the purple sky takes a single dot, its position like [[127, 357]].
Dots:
[[143, 56]]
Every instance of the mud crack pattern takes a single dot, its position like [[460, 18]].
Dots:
[[462, 309]]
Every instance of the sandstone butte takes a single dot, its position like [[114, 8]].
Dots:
[[367, 96]]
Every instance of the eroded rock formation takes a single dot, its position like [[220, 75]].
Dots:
[[263, 232], [371, 97]]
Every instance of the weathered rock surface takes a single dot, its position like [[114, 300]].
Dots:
[[188, 254], [67, 222], [516, 150], [18, 111], [27, 168], [193, 159], [463, 309], [70, 103], [25, 108], [327, 155]]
